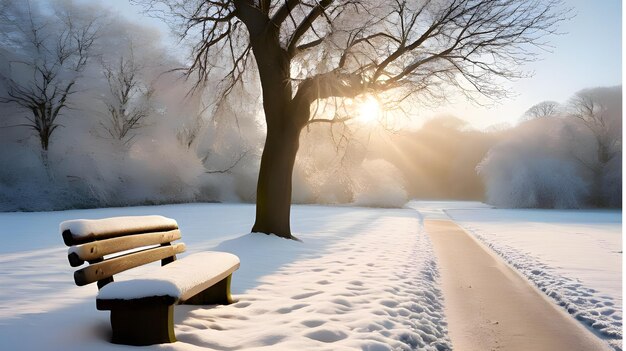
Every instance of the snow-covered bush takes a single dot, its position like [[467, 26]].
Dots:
[[529, 182], [98, 173], [533, 168]]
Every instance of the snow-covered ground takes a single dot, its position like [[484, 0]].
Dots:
[[574, 256], [361, 279]]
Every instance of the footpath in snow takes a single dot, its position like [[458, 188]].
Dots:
[[363, 279], [491, 307], [573, 256]]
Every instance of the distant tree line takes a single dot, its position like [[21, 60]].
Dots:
[[558, 156]]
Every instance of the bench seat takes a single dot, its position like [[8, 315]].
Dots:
[[179, 280]]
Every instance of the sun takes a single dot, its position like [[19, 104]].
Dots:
[[369, 111]]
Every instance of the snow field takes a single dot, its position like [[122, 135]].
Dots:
[[361, 279]]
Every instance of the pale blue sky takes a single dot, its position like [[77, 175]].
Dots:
[[588, 54]]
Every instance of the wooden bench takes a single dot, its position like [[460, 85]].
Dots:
[[142, 308]]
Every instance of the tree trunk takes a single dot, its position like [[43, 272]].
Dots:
[[46, 163], [285, 117], [273, 201]]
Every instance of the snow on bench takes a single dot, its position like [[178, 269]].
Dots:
[[180, 279], [142, 309], [85, 230]]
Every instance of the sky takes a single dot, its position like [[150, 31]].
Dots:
[[588, 54]]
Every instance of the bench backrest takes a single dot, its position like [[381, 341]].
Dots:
[[113, 245]]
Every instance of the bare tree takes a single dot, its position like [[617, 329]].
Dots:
[[591, 112], [55, 55], [129, 103], [542, 110], [314, 52]]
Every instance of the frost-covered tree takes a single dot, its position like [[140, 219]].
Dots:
[[542, 110], [129, 102], [43, 59], [570, 160], [84, 171], [599, 110], [311, 53]]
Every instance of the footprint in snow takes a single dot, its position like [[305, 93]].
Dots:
[[305, 295], [241, 304], [285, 310], [389, 303], [326, 335], [313, 323], [342, 302]]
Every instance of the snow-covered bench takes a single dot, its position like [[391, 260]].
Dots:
[[142, 309]]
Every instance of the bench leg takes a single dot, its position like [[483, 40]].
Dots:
[[145, 325], [218, 294]]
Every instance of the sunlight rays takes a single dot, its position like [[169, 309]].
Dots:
[[369, 111]]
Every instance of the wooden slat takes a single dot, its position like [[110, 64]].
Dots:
[[108, 268], [70, 239], [98, 249]]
